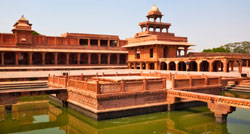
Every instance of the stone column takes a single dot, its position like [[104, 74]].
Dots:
[[147, 66], [99, 43], [30, 58], [198, 66], [67, 58], [177, 66], [118, 58], [78, 58], [99, 58], [240, 66], [88, 42], [135, 65], [220, 111], [156, 66], [17, 55], [108, 43], [2, 58], [56, 58], [141, 66], [43, 58], [185, 51], [225, 66], [89, 58], [168, 66], [129, 66], [109, 58], [232, 66], [210, 66]]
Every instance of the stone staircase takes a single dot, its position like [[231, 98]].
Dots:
[[243, 87], [23, 85]]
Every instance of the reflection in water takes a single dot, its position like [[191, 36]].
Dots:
[[45, 116]]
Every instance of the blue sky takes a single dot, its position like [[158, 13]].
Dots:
[[206, 23]]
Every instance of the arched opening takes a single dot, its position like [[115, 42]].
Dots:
[[61, 58], [143, 66], [9, 58], [182, 66], [163, 66], [217, 66], [84, 58], [123, 59], [113, 59], [94, 59], [204, 66], [231, 65], [72, 58], [165, 52], [137, 65], [49, 58], [104, 59], [23, 58], [193, 66], [172, 66], [37, 59], [151, 66]]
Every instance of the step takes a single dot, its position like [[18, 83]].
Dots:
[[24, 87], [21, 82]]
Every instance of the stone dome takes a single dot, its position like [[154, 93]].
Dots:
[[154, 8]]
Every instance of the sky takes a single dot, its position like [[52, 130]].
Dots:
[[206, 23]]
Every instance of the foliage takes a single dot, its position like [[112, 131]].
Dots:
[[35, 33], [237, 47]]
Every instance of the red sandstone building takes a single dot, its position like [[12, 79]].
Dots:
[[22, 47], [155, 48]]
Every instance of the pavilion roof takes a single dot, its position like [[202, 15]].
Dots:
[[148, 43]]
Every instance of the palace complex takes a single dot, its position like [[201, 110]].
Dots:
[[24, 48]]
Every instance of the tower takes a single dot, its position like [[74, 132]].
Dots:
[[23, 31]]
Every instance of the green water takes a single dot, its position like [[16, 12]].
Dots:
[[38, 115]]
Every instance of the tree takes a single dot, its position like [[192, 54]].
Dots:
[[237, 47], [35, 33]]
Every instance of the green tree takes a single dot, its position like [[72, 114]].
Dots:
[[218, 49], [35, 33]]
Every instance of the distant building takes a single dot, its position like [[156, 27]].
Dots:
[[24, 48]]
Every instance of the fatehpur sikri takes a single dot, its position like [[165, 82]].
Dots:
[[94, 83]]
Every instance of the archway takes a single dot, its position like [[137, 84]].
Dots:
[[137, 65], [182, 66], [172, 66], [9, 58], [151, 66], [113, 59], [37, 59], [192, 66], [72, 58], [163, 66], [104, 59], [49, 58], [123, 59], [217, 66], [61, 58], [23, 58], [204, 66], [84, 59], [94, 59]]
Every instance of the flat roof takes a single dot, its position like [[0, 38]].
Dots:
[[148, 43]]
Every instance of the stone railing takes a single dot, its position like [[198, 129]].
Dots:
[[235, 102], [100, 87], [191, 82]]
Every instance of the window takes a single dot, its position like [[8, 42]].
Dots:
[[113, 43], [151, 52], [104, 43], [83, 41], [93, 42]]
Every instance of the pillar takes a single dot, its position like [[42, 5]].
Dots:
[[135, 65], [141, 66], [8, 109], [2, 57], [56, 58], [88, 42], [99, 43], [30, 58], [78, 58], [225, 66], [210, 66], [129, 66], [99, 58], [17, 55], [185, 51], [67, 58], [108, 43], [198, 66], [240, 66], [147, 66], [177, 66], [168, 66], [109, 58], [156, 66], [232, 66], [43, 58], [179, 52], [89, 58], [118, 58], [220, 111]]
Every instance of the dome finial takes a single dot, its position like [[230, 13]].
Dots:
[[154, 8]]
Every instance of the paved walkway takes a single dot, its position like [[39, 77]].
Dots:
[[33, 74]]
